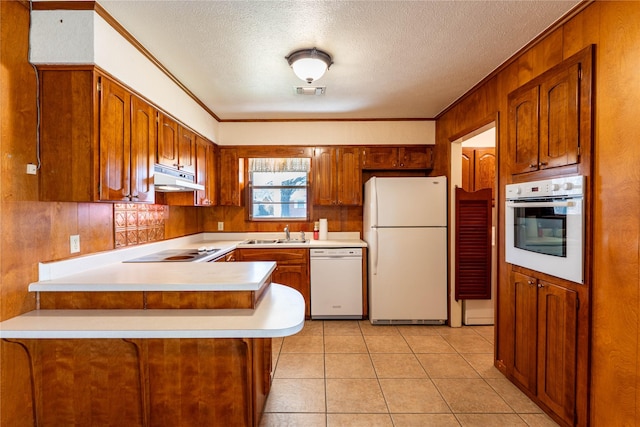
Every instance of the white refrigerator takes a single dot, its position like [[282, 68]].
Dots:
[[405, 227]]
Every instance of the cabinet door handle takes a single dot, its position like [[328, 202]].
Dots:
[[533, 166], [540, 285], [531, 282], [543, 163]]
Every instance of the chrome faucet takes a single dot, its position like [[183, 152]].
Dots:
[[302, 237], [287, 235]]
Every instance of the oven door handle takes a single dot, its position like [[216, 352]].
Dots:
[[563, 204]]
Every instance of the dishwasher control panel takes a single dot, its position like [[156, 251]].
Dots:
[[336, 252]]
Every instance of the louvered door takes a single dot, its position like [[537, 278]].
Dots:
[[473, 244]]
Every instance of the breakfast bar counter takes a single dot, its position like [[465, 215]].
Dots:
[[280, 313], [154, 344]]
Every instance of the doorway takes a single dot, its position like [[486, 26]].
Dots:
[[473, 166]]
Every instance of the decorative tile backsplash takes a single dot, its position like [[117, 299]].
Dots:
[[136, 223]]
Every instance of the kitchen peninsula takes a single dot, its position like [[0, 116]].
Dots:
[[178, 344]]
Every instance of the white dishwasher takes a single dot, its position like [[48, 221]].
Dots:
[[336, 283]]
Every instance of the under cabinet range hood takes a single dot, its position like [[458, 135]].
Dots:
[[169, 180]]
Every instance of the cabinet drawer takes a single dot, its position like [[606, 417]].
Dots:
[[278, 255]]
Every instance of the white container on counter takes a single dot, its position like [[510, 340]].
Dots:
[[324, 229]]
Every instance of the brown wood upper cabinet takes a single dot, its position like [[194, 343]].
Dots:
[[549, 117], [176, 145], [544, 354], [479, 169], [97, 139], [143, 144], [337, 176], [205, 172], [396, 157], [229, 190]]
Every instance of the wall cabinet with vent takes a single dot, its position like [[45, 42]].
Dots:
[[176, 145]]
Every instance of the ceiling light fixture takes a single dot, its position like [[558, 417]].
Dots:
[[309, 64]]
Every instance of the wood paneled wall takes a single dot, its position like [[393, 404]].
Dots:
[[612, 26], [33, 231]]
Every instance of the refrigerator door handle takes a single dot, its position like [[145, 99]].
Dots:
[[374, 251], [374, 202]]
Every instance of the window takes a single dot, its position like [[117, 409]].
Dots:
[[279, 188]]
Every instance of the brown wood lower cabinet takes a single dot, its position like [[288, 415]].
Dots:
[[228, 257], [544, 360], [148, 382], [292, 269]]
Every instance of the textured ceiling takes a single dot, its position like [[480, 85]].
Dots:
[[392, 59]]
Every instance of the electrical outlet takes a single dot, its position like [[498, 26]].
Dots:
[[74, 243], [32, 169], [220, 226]]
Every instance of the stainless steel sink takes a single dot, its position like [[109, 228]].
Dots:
[[261, 242], [271, 241]]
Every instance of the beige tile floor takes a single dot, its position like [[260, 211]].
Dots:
[[350, 373]]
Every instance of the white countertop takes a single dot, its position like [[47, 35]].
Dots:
[[311, 244], [163, 276], [280, 313], [225, 242]]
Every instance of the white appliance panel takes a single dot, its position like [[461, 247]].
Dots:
[[406, 202], [565, 196], [408, 274], [336, 287]]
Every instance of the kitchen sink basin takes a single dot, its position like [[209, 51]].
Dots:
[[261, 242], [271, 241]]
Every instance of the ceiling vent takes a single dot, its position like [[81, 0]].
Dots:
[[306, 90]]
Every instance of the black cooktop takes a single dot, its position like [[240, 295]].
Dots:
[[176, 255]]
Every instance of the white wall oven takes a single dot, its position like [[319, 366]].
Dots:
[[544, 226]]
